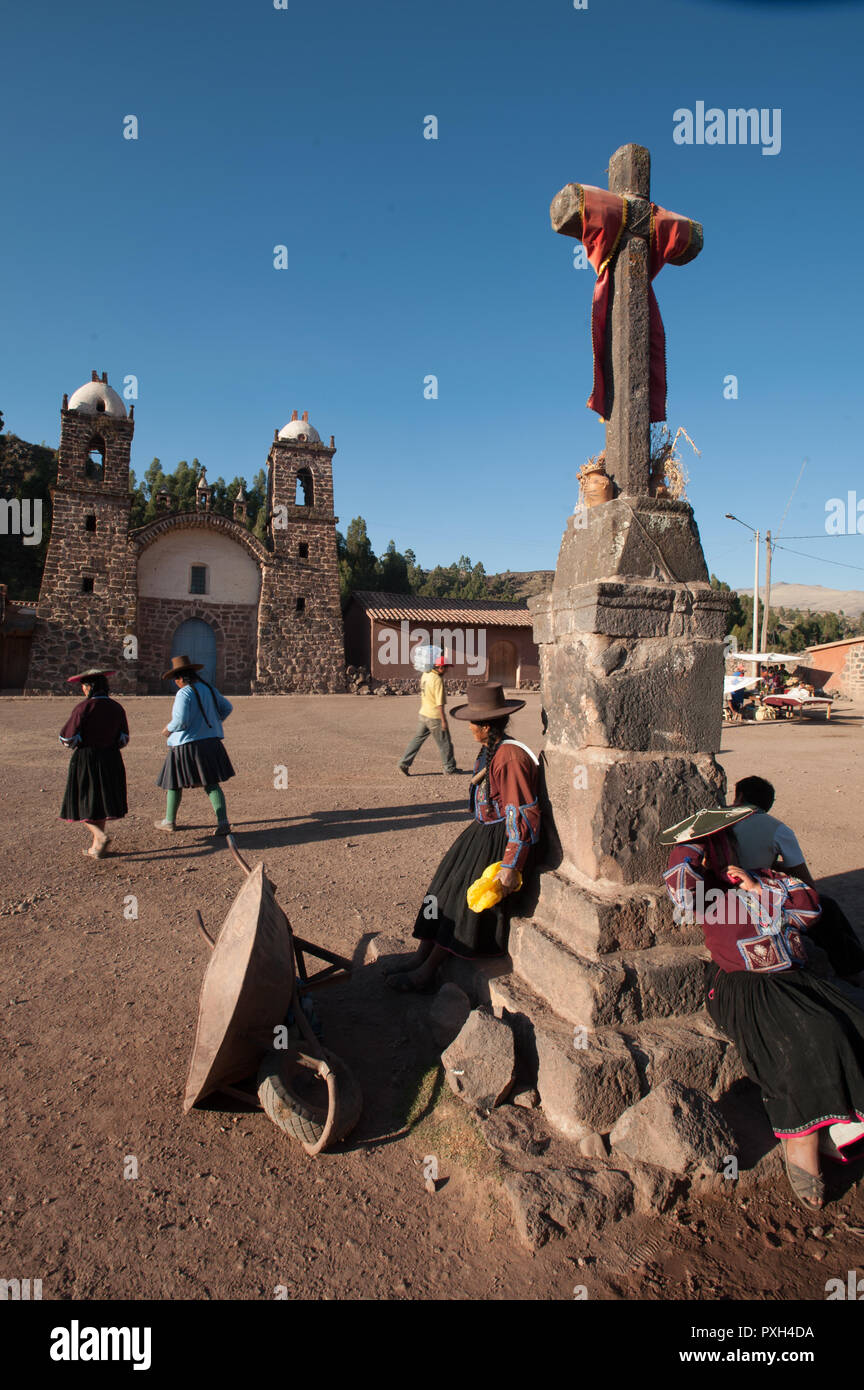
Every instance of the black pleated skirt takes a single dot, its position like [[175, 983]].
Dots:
[[95, 785], [201, 763], [801, 1040], [456, 927]]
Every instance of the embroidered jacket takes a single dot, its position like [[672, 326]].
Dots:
[[98, 722], [509, 793], [744, 929]]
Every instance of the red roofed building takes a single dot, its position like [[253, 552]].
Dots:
[[486, 640]]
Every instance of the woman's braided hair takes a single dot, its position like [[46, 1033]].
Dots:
[[497, 728]]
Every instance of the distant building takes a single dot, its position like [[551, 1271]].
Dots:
[[488, 641], [258, 617], [845, 660]]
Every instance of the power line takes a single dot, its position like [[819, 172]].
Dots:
[[820, 560]]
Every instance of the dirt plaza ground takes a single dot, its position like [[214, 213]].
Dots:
[[99, 1012]]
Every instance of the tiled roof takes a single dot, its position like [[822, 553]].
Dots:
[[413, 608], [841, 642]]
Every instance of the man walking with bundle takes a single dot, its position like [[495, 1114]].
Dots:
[[432, 719]]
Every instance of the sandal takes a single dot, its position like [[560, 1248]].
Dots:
[[809, 1191]]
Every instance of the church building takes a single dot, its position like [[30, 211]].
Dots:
[[260, 617]]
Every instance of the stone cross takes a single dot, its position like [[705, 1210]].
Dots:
[[628, 428]]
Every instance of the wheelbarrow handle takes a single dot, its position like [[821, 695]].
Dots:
[[204, 932], [232, 845]]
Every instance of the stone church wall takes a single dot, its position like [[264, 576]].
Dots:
[[301, 644], [76, 630], [235, 625]]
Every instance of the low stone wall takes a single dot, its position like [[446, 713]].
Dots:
[[359, 681], [853, 673]]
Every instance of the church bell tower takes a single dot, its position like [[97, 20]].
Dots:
[[300, 636], [86, 610]]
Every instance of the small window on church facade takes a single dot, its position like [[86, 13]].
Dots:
[[304, 494], [87, 585], [198, 579], [300, 605], [90, 523], [303, 550], [95, 466]]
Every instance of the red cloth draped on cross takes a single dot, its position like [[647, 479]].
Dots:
[[604, 218]]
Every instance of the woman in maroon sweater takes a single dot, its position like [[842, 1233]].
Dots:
[[800, 1038], [96, 783]]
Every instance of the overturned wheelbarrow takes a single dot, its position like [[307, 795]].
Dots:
[[255, 1036]]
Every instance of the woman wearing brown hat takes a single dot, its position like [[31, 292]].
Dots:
[[505, 825], [96, 782], [196, 756]]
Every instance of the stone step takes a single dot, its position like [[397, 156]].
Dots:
[[669, 980], [689, 1050], [593, 923], [581, 990], [619, 988], [587, 1078], [583, 1089]]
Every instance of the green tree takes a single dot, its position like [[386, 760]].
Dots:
[[27, 473], [358, 566], [393, 571]]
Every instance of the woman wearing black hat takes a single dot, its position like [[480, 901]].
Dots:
[[196, 756], [801, 1038], [96, 782], [505, 825]]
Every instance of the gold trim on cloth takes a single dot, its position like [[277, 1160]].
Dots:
[[617, 239]]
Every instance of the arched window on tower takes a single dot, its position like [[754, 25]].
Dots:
[[95, 465], [304, 495]]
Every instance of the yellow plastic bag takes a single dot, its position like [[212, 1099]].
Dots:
[[486, 891]]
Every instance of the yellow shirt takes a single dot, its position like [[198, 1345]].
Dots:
[[432, 695]]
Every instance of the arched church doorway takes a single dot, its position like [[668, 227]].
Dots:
[[197, 640], [503, 664]]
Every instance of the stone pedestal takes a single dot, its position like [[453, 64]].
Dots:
[[607, 989]]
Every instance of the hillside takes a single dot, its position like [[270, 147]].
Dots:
[[814, 597], [524, 583]]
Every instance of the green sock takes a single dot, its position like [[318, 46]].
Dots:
[[173, 801], [217, 801]]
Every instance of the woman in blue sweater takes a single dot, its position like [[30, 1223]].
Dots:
[[196, 756]]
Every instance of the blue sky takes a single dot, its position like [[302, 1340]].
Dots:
[[409, 257]]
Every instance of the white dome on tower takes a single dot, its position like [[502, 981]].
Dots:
[[300, 429], [96, 397]]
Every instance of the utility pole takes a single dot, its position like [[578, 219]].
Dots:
[[756, 598], [730, 516], [767, 591]]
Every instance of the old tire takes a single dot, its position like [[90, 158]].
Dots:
[[295, 1098]]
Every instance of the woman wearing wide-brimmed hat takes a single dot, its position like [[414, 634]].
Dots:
[[800, 1038], [505, 825], [96, 730], [196, 755]]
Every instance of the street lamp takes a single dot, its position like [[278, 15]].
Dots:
[[730, 517]]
